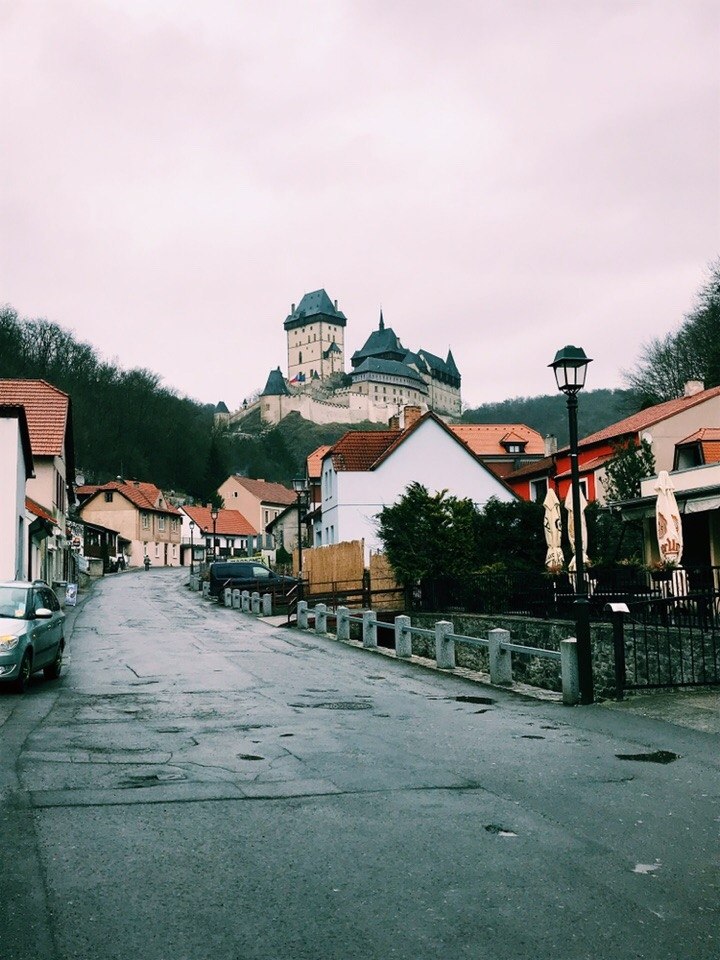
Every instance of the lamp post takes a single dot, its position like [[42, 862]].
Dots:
[[192, 548], [301, 487], [570, 367], [214, 516]]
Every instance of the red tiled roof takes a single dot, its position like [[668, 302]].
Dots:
[[485, 439], [646, 418], [17, 411], [587, 466], [32, 506], [708, 438], [228, 523], [267, 492], [358, 450], [146, 496], [47, 410], [314, 461], [535, 468]]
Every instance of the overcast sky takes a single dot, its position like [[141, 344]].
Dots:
[[502, 177]]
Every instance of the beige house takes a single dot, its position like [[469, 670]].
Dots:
[[141, 515], [49, 419], [257, 500]]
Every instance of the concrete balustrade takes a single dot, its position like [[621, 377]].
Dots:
[[302, 614], [267, 604], [245, 601], [444, 645], [255, 602], [227, 596], [342, 627], [321, 618], [369, 629], [403, 638], [236, 598], [500, 657]]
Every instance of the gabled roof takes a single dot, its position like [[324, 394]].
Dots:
[[314, 461], [265, 491], [486, 439], [315, 304], [358, 450], [49, 418], [381, 341], [646, 418], [145, 496], [221, 407], [17, 411], [228, 523]]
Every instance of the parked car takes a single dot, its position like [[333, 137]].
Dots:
[[246, 575], [32, 632]]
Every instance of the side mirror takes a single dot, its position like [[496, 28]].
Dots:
[[43, 613]]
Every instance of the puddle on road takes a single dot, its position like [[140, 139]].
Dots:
[[657, 756], [249, 756], [466, 699], [335, 705], [499, 831]]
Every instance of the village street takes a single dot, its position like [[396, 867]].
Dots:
[[199, 784]]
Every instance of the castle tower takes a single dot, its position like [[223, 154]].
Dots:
[[315, 338]]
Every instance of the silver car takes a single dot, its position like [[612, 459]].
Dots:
[[32, 632]]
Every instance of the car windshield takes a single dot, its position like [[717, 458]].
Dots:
[[13, 602]]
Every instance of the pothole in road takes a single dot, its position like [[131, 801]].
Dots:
[[335, 705], [657, 756], [150, 779], [466, 699], [499, 831], [249, 756]]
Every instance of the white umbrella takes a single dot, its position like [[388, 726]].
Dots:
[[667, 520], [554, 559], [571, 527]]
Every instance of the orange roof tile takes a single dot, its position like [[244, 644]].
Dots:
[[486, 439], [314, 461], [32, 506], [359, 449], [146, 496], [47, 410], [228, 523], [267, 492], [646, 418]]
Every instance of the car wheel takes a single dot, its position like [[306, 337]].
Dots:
[[52, 671], [24, 675]]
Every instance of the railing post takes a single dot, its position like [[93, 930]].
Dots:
[[227, 596], [255, 602], [403, 638], [500, 659], [321, 618], [236, 599], [369, 629], [206, 590], [245, 601], [267, 604], [302, 614], [569, 672], [618, 625], [444, 648], [343, 623]]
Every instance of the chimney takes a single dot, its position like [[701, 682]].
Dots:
[[693, 387], [550, 445], [336, 305], [411, 415], [292, 308], [394, 422]]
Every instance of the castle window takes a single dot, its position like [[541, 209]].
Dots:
[[300, 357]]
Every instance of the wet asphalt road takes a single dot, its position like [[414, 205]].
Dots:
[[201, 785]]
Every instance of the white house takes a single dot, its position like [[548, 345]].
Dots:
[[367, 470], [16, 466]]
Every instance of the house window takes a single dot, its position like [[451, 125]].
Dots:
[[157, 551], [161, 523], [174, 551], [108, 496], [538, 489], [145, 520], [514, 448]]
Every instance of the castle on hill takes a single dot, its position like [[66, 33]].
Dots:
[[384, 375]]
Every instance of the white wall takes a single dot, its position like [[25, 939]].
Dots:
[[429, 457], [13, 525]]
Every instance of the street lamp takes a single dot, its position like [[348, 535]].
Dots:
[[192, 547], [214, 516], [301, 488], [570, 367]]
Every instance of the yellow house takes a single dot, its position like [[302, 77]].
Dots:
[[141, 515]]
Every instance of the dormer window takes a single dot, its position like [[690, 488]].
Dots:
[[108, 496]]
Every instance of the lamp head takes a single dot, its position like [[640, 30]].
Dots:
[[570, 366], [300, 485]]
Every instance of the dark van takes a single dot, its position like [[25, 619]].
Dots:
[[246, 575]]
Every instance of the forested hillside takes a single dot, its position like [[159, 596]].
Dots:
[[548, 414]]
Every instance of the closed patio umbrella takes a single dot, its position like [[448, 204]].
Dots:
[[667, 520], [554, 559], [571, 527]]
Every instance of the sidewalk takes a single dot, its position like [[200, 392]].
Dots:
[[694, 707]]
